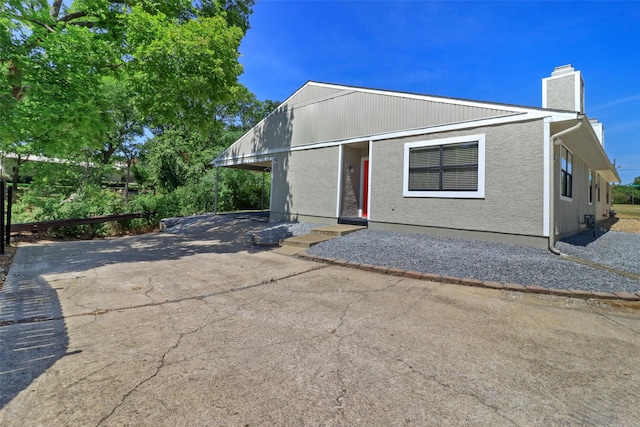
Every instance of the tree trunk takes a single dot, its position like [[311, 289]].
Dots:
[[15, 175]]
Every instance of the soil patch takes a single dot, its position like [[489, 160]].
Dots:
[[624, 225]]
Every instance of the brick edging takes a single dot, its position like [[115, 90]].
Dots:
[[534, 289]]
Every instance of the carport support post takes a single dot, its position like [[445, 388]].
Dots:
[[262, 200], [215, 203], [2, 194]]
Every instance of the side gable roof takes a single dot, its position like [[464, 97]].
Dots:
[[321, 113]]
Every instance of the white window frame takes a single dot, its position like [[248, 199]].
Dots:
[[477, 194], [562, 196], [591, 186]]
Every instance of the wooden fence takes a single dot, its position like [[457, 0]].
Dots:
[[44, 225]]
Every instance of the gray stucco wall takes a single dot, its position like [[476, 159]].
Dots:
[[570, 212], [513, 201], [305, 183]]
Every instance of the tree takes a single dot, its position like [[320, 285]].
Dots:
[[177, 160], [125, 124], [178, 59], [176, 157], [240, 114]]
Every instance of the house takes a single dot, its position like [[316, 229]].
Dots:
[[420, 163]]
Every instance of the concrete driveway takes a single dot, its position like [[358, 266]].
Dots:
[[195, 329]]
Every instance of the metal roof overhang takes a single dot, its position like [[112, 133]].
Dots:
[[258, 164], [584, 141], [258, 167]]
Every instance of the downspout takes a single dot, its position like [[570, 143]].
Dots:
[[555, 140]]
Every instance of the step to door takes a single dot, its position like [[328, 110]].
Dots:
[[294, 245], [306, 240], [337, 230]]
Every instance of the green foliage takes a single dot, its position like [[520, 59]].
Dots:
[[83, 83], [628, 211], [181, 71], [49, 178], [240, 190], [49, 199], [90, 201], [125, 123], [175, 158], [177, 60], [626, 194]]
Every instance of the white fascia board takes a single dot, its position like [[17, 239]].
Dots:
[[578, 92], [244, 159], [612, 172], [561, 116]]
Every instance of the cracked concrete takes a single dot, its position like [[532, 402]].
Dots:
[[145, 332]]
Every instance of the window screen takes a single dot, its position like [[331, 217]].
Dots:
[[451, 167]]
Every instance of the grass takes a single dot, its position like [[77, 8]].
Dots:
[[627, 211]]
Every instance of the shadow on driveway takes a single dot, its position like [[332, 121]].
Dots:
[[33, 334], [205, 234]]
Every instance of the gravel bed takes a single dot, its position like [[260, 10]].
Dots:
[[475, 259], [613, 248]]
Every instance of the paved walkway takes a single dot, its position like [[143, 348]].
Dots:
[[196, 329]]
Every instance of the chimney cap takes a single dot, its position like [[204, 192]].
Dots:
[[563, 69]]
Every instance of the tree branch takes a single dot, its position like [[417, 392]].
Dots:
[[42, 24], [73, 15], [55, 9]]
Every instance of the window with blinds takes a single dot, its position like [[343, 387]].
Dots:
[[445, 168], [450, 167]]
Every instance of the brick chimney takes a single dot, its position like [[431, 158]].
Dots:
[[564, 90]]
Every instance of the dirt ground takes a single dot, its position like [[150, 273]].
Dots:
[[625, 225]]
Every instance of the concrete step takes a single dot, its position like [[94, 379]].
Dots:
[[336, 230], [288, 250], [306, 240]]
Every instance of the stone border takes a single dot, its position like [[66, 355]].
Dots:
[[535, 289]]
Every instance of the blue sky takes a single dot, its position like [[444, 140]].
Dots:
[[489, 51]]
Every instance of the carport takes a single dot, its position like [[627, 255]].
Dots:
[[264, 165]]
